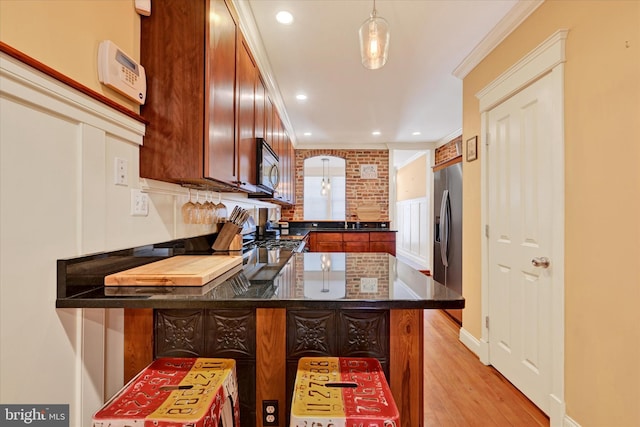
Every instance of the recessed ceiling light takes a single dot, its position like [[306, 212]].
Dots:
[[375, 133], [284, 17], [416, 133], [307, 134], [301, 97]]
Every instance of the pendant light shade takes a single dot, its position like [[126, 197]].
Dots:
[[325, 185], [374, 41]]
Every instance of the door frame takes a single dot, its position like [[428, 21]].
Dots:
[[546, 59]]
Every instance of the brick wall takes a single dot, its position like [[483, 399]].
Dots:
[[447, 151], [372, 265], [357, 266], [358, 190]]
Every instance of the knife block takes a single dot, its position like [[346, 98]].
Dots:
[[228, 238]]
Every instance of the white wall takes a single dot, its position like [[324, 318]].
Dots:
[[58, 200], [414, 232], [413, 218]]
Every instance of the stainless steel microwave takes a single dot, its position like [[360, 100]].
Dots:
[[268, 167]]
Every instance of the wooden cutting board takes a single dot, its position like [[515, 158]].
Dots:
[[180, 270], [368, 212]]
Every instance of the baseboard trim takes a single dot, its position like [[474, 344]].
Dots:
[[478, 347], [557, 413], [470, 341]]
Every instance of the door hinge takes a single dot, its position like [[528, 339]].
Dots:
[[486, 138], [486, 230], [486, 322]]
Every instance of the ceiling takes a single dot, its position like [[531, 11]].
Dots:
[[318, 55]]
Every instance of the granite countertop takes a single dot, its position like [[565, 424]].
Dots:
[[304, 227], [299, 231], [269, 278], [338, 229]]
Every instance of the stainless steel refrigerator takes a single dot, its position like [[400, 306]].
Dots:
[[447, 245]]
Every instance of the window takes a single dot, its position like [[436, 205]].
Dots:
[[324, 188]]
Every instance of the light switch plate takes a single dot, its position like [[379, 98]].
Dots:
[[121, 171]]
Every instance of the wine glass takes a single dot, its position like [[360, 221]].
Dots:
[[221, 210], [197, 214], [187, 210], [208, 209]]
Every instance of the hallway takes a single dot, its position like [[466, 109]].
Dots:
[[461, 391]]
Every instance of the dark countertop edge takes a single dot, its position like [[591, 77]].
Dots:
[[300, 231], [244, 304]]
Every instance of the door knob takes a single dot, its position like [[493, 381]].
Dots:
[[541, 262]]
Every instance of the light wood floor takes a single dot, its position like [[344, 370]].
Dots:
[[461, 391]]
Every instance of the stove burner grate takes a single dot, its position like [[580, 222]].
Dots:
[[292, 245]]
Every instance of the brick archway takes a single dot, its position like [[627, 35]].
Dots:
[[358, 190]]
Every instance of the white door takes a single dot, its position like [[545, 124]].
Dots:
[[520, 214]]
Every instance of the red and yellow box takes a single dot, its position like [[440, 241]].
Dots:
[[172, 392], [342, 392]]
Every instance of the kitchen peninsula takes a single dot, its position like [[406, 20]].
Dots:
[[280, 307]]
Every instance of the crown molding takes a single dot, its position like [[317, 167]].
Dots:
[[445, 140], [510, 22], [412, 159]]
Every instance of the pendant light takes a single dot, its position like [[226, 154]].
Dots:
[[325, 186], [374, 41]]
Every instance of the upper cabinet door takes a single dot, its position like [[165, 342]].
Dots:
[[221, 150], [245, 98], [259, 108], [268, 118], [172, 46]]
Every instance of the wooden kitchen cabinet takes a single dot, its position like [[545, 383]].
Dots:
[[268, 120], [220, 111], [382, 241], [259, 108], [195, 125], [175, 107], [286, 176], [354, 241], [292, 172], [328, 242], [276, 136], [247, 77]]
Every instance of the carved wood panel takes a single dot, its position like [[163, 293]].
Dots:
[[231, 334], [311, 333], [363, 334], [179, 333]]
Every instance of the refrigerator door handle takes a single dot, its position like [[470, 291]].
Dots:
[[445, 217]]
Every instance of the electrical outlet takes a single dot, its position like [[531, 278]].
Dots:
[[270, 413], [121, 171], [139, 203]]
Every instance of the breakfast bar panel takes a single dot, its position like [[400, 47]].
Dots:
[[407, 370], [138, 341], [271, 328]]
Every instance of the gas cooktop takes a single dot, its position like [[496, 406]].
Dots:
[[289, 244]]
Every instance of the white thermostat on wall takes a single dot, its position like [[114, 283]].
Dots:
[[118, 71]]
